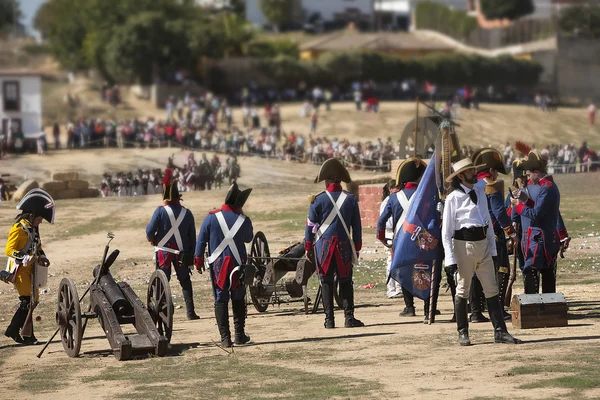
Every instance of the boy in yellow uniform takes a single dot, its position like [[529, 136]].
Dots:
[[24, 251]]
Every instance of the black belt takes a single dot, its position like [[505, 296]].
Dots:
[[473, 234]]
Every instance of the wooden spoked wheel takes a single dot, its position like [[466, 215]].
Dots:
[[68, 317], [259, 252], [160, 303]]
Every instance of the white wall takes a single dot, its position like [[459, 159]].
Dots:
[[30, 89]]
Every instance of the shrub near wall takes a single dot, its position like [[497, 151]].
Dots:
[[442, 69], [441, 18]]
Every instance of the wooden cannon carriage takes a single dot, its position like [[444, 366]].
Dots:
[[271, 283], [116, 304]]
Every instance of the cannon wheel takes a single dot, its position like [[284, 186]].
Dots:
[[160, 303], [260, 249], [68, 317]]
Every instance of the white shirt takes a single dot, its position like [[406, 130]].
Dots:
[[460, 212]]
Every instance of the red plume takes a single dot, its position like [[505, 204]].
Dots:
[[168, 176], [523, 148]]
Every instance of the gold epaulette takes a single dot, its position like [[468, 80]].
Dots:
[[492, 186], [312, 197]]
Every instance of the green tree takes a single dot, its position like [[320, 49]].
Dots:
[[581, 20], [234, 34], [277, 12], [511, 9], [82, 34], [142, 48], [10, 14]]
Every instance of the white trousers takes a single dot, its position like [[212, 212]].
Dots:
[[393, 287], [474, 257]]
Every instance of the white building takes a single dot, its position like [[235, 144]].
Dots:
[[327, 8], [20, 102]]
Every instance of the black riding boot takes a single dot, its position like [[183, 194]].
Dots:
[[501, 334], [327, 294], [531, 282], [188, 297], [222, 316], [548, 280], [434, 299], [452, 286], [476, 301], [18, 320], [502, 286], [239, 321], [462, 320], [347, 292], [409, 301]]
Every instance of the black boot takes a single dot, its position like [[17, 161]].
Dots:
[[18, 320], [548, 280], [30, 339], [501, 334], [188, 297], [222, 316], [476, 301], [452, 286], [348, 303], [426, 312], [502, 286], [239, 321], [327, 295], [409, 301], [530, 282], [462, 321]]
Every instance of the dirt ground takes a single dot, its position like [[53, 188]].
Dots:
[[291, 354]]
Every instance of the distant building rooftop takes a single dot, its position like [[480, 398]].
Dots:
[[18, 72]]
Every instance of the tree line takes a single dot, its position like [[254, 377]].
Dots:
[[449, 69]]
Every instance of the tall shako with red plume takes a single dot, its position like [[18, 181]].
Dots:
[[170, 191]]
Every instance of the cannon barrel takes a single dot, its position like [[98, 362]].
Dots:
[[111, 289]]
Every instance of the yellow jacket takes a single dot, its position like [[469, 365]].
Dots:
[[21, 243]]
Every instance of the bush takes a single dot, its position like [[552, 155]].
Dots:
[[441, 18], [444, 69], [273, 48], [35, 49], [511, 9]]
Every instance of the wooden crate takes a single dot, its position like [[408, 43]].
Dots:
[[548, 310]]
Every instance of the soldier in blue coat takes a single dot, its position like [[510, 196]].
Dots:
[[544, 235], [334, 237], [408, 175], [226, 231], [501, 223], [172, 232]]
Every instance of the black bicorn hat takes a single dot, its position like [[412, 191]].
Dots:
[[170, 190], [236, 197], [410, 170], [39, 203], [534, 161], [333, 169], [490, 158]]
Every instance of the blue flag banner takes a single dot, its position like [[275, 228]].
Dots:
[[418, 245]]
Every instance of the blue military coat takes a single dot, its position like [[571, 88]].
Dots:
[[160, 225], [325, 232], [224, 256], [394, 209], [541, 221]]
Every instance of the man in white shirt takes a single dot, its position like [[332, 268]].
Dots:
[[469, 245]]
